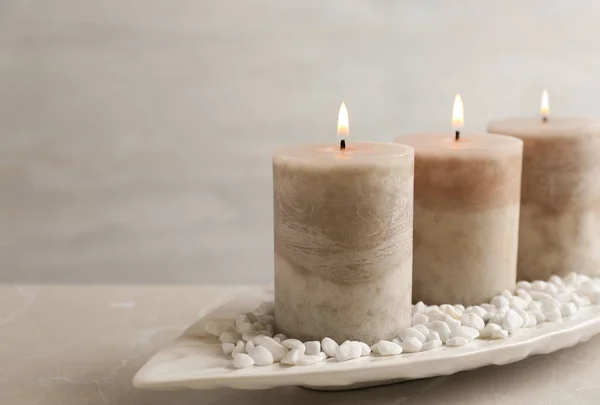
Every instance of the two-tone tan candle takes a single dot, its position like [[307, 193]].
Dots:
[[560, 196], [466, 214], [343, 216]]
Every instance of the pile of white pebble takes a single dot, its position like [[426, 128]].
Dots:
[[250, 340]]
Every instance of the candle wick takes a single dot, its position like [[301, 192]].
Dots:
[[545, 118], [457, 135], [343, 144]]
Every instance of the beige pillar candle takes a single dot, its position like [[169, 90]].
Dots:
[[343, 240], [466, 216], [560, 197]]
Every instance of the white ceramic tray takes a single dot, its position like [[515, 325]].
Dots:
[[195, 359]]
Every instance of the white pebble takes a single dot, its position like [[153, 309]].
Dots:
[[261, 356], [435, 315], [499, 301], [374, 348], [266, 319], [531, 321], [280, 336], [227, 347], [249, 346], [460, 307], [423, 329], [270, 329], [472, 320], [242, 360], [452, 323], [256, 326], [311, 359], [277, 350], [571, 278], [578, 301], [242, 323], [512, 321], [441, 328], [568, 309], [240, 347], [251, 317], [410, 333], [477, 310], [499, 334], [250, 336], [366, 350], [431, 345], [356, 349], [292, 343], [551, 288], [525, 285], [587, 288], [489, 307], [433, 336], [541, 296], [562, 297], [586, 302], [497, 319], [583, 278], [523, 314], [524, 295], [398, 341], [411, 345], [489, 329], [534, 306], [419, 319], [292, 357], [556, 280], [539, 285], [456, 341], [387, 348], [265, 308], [539, 317], [465, 332], [451, 311], [418, 308], [345, 353], [329, 346], [229, 337], [507, 294], [517, 302], [217, 328], [313, 347], [551, 310]]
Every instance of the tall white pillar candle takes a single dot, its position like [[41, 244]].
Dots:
[[560, 197], [343, 240], [466, 215]]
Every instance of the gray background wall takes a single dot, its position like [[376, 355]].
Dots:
[[135, 135]]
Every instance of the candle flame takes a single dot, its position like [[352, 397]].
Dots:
[[343, 128], [545, 105], [458, 115]]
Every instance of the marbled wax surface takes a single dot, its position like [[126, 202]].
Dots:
[[82, 344]]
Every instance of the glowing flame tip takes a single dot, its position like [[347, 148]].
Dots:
[[343, 127], [458, 115], [545, 105]]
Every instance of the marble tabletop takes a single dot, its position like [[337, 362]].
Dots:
[[63, 345]]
